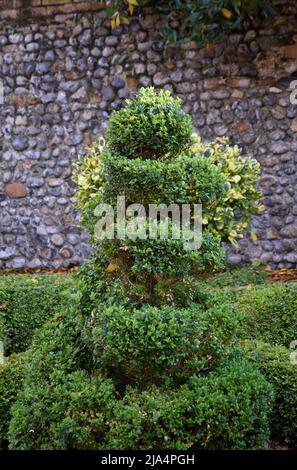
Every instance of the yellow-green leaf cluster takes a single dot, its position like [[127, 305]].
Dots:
[[88, 175], [120, 9], [243, 197]]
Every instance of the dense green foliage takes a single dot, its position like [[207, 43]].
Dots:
[[270, 313], [11, 381], [274, 362], [235, 278], [124, 381], [57, 356], [151, 344], [220, 410], [153, 126], [114, 287], [26, 303], [67, 407], [201, 21], [185, 179], [144, 357], [71, 413]]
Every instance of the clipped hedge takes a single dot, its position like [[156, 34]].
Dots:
[[26, 303], [274, 362], [69, 403], [185, 180], [233, 278], [226, 409], [11, 381], [269, 313], [71, 411]]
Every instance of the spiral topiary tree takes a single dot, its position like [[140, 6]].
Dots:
[[143, 358]]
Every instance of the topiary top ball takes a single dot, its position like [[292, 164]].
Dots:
[[151, 126]]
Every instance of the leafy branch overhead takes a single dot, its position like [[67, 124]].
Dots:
[[202, 21]]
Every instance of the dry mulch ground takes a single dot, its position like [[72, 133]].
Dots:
[[281, 275], [7, 272]]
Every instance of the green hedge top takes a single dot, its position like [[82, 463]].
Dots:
[[26, 303]]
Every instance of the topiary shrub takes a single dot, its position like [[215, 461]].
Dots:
[[184, 179], [229, 196], [142, 360], [270, 313], [26, 303], [11, 382], [274, 362]]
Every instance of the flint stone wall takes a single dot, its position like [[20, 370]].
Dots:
[[64, 71]]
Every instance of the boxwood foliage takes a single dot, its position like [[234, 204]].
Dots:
[[148, 344], [136, 164], [235, 277], [215, 174], [26, 303], [270, 313], [225, 409], [183, 180], [276, 364], [152, 378], [143, 359], [11, 382], [152, 126], [70, 403]]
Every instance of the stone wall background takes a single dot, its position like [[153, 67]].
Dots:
[[64, 71]]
